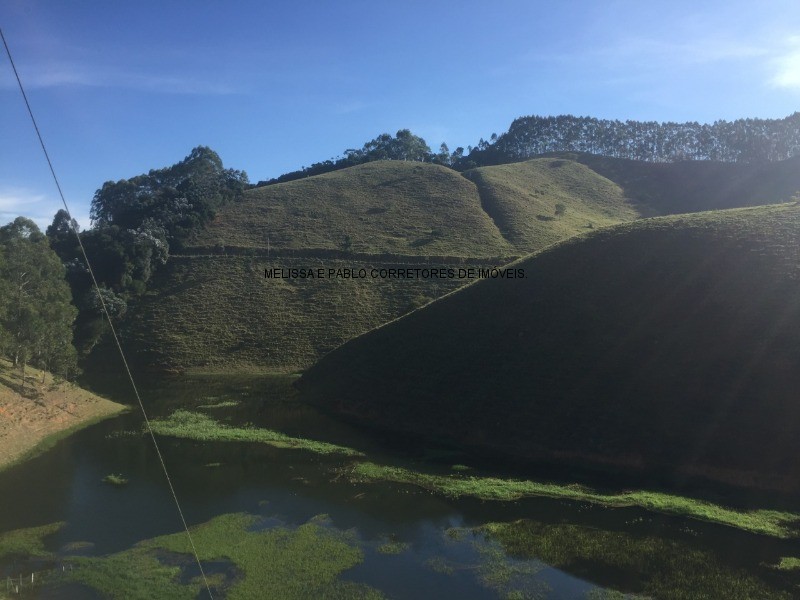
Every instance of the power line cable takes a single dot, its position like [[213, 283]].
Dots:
[[108, 317]]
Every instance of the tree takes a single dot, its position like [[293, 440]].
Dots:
[[746, 140], [149, 249], [62, 226], [178, 198], [407, 146], [403, 146], [137, 220], [443, 156], [5, 293], [39, 313], [62, 235]]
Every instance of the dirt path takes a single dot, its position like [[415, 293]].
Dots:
[[32, 418]]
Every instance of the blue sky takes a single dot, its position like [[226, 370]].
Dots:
[[122, 87]]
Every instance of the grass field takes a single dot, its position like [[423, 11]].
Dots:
[[27, 542], [220, 313], [666, 346], [653, 567], [385, 207], [211, 309], [313, 560], [542, 201], [692, 186]]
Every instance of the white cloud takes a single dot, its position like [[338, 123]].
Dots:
[[702, 51], [39, 207], [86, 75], [786, 66], [652, 52], [15, 202], [775, 60]]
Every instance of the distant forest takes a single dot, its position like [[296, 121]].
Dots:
[[742, 140]]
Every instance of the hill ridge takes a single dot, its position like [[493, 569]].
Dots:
[[661, 346], [392, 213]]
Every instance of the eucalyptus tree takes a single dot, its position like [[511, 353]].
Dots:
[[38, 315]]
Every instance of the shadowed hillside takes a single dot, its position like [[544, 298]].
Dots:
[[666, 346], [691, 186], [211, 308], [214, 309], [220, 313]]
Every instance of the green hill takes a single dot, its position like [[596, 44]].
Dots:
[[418, 209], [541, 201], [692, 186], [219, 312], [396, 207], [211, 308], [666, 346]]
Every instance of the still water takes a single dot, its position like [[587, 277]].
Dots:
[[439, 551]]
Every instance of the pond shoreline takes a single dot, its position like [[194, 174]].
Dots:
[[35, 416]]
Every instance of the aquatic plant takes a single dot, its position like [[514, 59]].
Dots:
[[115, 479], [767, 522], [196, 426]]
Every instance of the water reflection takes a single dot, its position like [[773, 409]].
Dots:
[[558, 549]]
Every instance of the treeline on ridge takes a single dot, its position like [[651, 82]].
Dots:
[[403, 146], [741, 140]]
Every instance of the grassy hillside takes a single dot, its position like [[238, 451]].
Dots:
[[395, 207], [691, 186], [539, 202], [665, 346], [418, 209], [219, 312], [212, 309], [35, 415]]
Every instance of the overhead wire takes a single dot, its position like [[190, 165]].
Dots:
[[108, 318]]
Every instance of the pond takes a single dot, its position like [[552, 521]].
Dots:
[[278, 521]]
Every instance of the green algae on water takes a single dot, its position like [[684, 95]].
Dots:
[[767, 522], [279, 562], [196, 426], [29, 541]]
